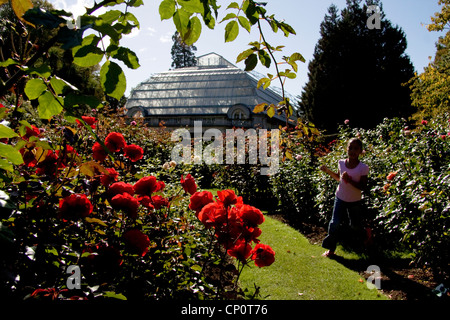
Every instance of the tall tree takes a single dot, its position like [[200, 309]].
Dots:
[[357, 73], [182, 54], [430, 88]]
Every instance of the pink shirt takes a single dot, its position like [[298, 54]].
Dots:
[[345, 191]]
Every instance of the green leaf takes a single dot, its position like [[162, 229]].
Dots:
[[43, 71], [12, 155], [263, 82], [192, 6], [264, 58], [194, 31], [243, 55], [296, 56], [110, 294], [113, 80], [251, 62], [229, 16], [110, 16], [126, 56], [287, 29], [34, 88], [243, 21], [44, 18], [231, 31], [74, 99], [181, 21], [8, 62], [167, 9], [88, 54], [6, 165], [6, 132], [233, 5], [59, 85], [49, 105]]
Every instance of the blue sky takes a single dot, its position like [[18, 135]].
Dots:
[[152, 43]]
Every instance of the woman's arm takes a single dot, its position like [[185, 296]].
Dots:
[[361, 185], [334, 175]]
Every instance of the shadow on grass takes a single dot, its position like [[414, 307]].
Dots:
[[398, 279]]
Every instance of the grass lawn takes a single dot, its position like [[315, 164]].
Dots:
[[300, 272]]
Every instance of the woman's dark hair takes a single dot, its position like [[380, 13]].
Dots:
[[359, 142]]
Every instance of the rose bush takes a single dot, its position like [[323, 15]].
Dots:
[[110, 207]]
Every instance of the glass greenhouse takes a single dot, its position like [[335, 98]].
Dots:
[[215, 92]]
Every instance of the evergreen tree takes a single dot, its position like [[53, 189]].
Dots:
[[182, 54], [357, 73]]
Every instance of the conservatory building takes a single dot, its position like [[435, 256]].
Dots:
[[215, 92]]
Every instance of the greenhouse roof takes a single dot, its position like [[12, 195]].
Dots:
[[210, 88]]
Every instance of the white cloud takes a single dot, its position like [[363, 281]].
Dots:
[[76, 7], [134, 33], [166, 38], [151, 31]]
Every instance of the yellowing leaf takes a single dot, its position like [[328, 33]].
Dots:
[[20, 7], [95, 220], [271, 111], [259, 107], [91, 168]]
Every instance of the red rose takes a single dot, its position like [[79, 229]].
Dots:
[[126, 203], [107, 179], [115, 142], [263, 255], [188, 184], [391, 175], [49, 165], [98, 153], [251, 215], [146, 186], [119, 188], [212, 214], [227, 197], [90, 121], [28, 156], [199, 200], [31, 132], [137, 242], [74, 207], [241, 250], [133, 152], [146, 201], [158, 202]]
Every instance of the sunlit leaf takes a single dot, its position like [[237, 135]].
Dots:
[[113, 80], [231, 31], [259, 107], [20, 7], [49, 105], [167, 9], [34, 88], [6, 132]]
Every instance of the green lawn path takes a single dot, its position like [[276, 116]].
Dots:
[[300, 272]]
